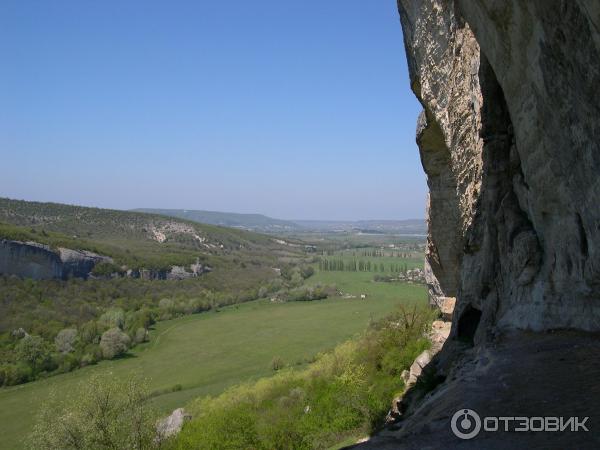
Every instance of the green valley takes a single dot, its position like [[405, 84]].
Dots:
[[205, 353]]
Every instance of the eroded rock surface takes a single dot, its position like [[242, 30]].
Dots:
[[509, 138], [37, 261], [489, 382]]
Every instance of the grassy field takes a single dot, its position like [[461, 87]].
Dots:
[[356, 283], [206, 353]]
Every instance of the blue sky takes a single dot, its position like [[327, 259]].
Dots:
[[295, 109]]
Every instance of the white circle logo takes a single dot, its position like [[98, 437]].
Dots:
[[465, 424]]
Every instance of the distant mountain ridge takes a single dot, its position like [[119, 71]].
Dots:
[[407, 226], [266, 224], [252, 222]]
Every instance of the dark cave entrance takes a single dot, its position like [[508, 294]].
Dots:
[[468, 324]]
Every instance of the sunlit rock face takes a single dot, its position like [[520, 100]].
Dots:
[[510, 141]]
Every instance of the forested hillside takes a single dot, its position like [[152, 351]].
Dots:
[[53, 325], [131, 238]]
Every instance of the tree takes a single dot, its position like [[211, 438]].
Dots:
[[297, 279], [34, 351], [88, 332], [65, 340], [114, 343], [141, 335], [112, 318], [101, 413], [307, 271]]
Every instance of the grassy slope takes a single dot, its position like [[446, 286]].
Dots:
[[206, 353]]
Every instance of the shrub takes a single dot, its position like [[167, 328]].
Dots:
[[141, 335], [65, 340], [113, 318], [166, 303], [67, 362], [106, 269], [308, 293], [307, 271], [344, 393], [296, 279], [100, 414], [114, 343], [277, 363], [16, 374], [89, 333], [35, 352]]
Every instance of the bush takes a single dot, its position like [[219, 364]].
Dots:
[[307, 271], [67, 362], [344, 393], [113, 318], [114, 343], [100, 414], [277, 363], [89, 333], [13, 374], [383, 278], [65, 340], [106, 269], [308, 293], [141, 335], [35, 352]]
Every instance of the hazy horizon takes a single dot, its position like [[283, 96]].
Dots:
[[296, 110], [291, 219]]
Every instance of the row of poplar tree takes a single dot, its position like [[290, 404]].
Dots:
[[360, 266]]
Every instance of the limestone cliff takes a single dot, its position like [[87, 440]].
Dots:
[[29, 260], [37, 261], [509, 138], [40, 262]]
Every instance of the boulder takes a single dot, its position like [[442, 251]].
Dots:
[[172, 424], [447, 307], [440, 330], [416, 369]]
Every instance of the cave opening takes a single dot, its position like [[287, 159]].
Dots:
[[468, 324]]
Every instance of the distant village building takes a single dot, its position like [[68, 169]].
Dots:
[[416, 275]]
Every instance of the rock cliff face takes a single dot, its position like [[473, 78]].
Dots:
[[510, 141], [37, 261], [40, 262], [29, 260], [509, 138]]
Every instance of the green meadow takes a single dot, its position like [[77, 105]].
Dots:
[[203, 354]]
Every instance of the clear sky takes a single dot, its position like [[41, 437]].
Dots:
[[294, 109]]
